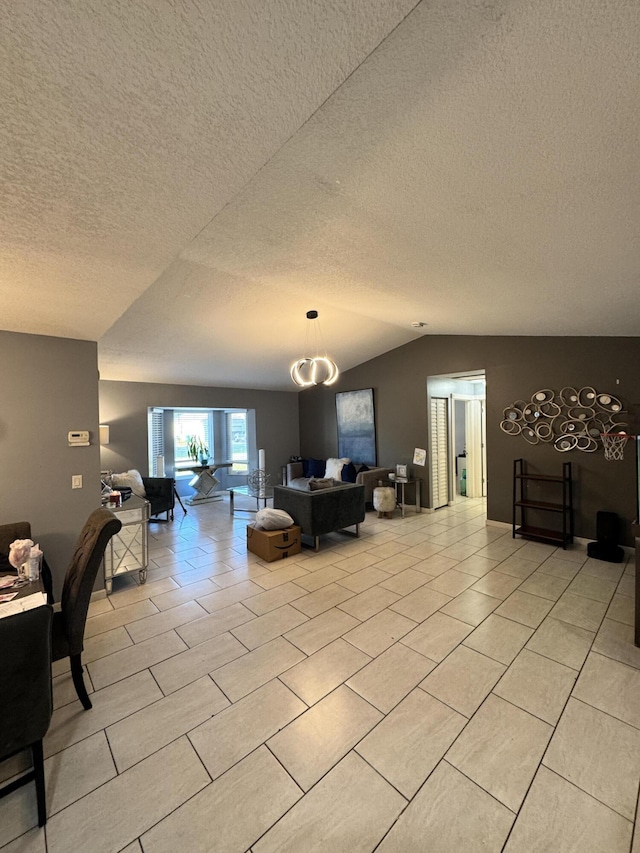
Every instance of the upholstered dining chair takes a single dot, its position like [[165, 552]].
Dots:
[[69, 622], [26, 704], [22, 530]]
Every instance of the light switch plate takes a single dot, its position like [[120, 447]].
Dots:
[[76, 481]]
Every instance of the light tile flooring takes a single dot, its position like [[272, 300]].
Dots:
[[431, 686]]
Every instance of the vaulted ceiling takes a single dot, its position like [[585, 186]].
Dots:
[[182, 180]]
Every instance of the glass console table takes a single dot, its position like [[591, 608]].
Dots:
[[128, 550], [260, 496], [204, 482]]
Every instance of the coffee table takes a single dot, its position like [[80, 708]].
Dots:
[[262, 495]]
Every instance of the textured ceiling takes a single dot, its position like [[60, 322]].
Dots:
[[182, 181]]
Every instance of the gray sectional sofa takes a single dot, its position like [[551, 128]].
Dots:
[[323, 511], [369, 479]]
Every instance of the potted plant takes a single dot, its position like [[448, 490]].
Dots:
[[197, 449]]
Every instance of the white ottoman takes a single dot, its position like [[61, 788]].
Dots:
[[384, 500]]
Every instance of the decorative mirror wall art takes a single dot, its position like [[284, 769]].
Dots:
[[570, 420]]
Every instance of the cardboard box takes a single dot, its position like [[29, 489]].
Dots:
[[271, 545]]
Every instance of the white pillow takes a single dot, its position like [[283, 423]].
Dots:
[[334, 468], [132, 479], [272, 519]]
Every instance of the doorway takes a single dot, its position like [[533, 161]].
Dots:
[[457, 447]]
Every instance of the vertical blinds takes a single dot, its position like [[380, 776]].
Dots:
[[156, 439]]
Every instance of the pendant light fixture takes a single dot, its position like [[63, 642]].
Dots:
[[318, 369]]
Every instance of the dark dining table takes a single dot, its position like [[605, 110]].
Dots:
[[24, 589], [26, 699], [43, 584]]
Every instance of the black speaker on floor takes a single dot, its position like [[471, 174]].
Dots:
[[608, 533]]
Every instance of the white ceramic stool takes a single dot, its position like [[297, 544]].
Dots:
[[384, 500]]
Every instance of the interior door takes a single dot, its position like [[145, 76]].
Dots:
[[473, 426], [483, 427], [439, 446]]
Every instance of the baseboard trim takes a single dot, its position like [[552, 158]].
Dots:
[[491, 523], [577, 540]]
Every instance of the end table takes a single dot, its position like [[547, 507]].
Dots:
[[401, 482]]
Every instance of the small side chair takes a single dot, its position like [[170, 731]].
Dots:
[[160, 492], [69, 622]]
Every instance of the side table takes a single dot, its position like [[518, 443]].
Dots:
[[400, 487], [128, 550]]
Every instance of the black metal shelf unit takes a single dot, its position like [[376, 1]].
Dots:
[[527, 504]]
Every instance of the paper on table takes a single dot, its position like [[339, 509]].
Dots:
[[8, 581], [36, 599], [7, 597]]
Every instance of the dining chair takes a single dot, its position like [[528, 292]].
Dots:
[[26, 703], [69, 622], [22, 530]]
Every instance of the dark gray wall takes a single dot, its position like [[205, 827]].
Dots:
[[124, 405], [48, 387], [515, 368]]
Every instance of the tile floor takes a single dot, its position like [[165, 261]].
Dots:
[[433, 685]]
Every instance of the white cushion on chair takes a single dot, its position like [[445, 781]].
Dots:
[[132, 479]]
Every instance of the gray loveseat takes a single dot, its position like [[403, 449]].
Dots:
[[323, 511], [369, 479]]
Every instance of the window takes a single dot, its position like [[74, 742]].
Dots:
[[237, 445], [156, 440], [189, 423], [229, 435]]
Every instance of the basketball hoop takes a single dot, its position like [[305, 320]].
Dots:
[[614, 443]]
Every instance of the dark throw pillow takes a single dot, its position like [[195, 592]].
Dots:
[[316, 468], [349, 473]]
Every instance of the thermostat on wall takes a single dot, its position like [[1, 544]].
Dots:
[[80, 438]]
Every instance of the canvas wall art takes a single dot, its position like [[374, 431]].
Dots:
[[356, 426]]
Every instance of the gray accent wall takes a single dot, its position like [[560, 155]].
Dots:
[[48, 387], [515, 368], [124, 406]]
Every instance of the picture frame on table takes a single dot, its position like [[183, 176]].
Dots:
[[402, 472]]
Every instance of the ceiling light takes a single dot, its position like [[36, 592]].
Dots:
[[318, 369], [417, 324]]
